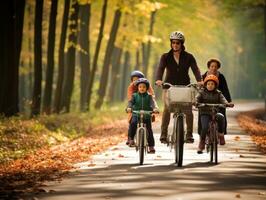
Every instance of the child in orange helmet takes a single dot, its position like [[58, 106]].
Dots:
[[210, 94]]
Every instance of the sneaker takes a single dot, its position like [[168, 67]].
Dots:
[[163, 139], [201, 146], [151, 150], [131, 143], [221, 139], [189, 138]]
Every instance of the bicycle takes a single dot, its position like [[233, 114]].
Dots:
[[141, 141], [212, 137], [179, 96]]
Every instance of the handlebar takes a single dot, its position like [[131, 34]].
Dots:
[[200, 105], [143, 112], [195, 85]]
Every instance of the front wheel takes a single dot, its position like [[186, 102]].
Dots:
[[179, 143], [141, 146]]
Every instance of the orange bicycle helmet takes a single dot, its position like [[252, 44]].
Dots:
[[211, 77]]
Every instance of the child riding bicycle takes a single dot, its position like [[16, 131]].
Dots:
[[210, 94], [132, 88], [141, 100]]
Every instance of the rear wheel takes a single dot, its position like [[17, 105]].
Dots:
[[141, 146], [179, 143]]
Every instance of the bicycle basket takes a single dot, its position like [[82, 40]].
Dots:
[[179, 95]]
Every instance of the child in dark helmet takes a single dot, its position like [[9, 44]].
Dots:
[[141, 100], [210, 94], [132, 88]]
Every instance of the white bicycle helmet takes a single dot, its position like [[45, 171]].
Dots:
[[177, 35]]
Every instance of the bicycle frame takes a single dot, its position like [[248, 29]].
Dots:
[[212, 137], [176, 139], [141, 135]]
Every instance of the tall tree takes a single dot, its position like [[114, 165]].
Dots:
[[107, 59], [96, 54], [147, 48], [10, 48], [117, 53], [125, 75], [60, 77], [47, 100], [71, 51], [85, 13], [37, 87]]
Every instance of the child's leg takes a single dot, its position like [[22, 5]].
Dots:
[[205, 119], [133, 127], [150, 133], [220, 122], [221, 127]]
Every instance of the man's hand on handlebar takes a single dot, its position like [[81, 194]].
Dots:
[[156, 111], [129, 110], [231, 105], [159, 82]]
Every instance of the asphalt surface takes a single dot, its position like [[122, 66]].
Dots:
[[115, 174]]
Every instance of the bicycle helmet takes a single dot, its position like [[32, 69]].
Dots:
[[136, 73], [177, 35], [143, 80], [211, 77]]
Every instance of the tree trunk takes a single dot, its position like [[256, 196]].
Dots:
[[70, 73], [125, 75], [85, 12], [115, 73], [50, 59], [30, 78], [107, 59], [265, 22], [10, 47], [37, 87], [22, 87], [96, 54], [147, 49], [60, 77], [137, 66]]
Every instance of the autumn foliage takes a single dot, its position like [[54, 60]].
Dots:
[[27, 174], [254, 124]]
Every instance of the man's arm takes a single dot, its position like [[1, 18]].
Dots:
[[160, 70], [195, 69]]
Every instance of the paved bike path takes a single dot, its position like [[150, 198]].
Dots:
[[115, 174]]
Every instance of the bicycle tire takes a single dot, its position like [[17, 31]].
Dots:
[[141, 146], [215, 150], [211, 152], [179, 145]]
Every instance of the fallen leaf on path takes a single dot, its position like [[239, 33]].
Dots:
[[261, 193], [114, 149], [241, 156], [121, 156], [237, 138], [238, 196], [91, 165]]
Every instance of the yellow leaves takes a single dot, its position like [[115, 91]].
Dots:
[[151, 38], [84, 2], [256, 130], [146, 7]]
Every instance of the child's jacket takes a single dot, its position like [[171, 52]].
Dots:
[[205, 96], [142, 102]]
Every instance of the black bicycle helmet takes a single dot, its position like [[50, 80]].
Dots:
[[136, 73], [143, 80]]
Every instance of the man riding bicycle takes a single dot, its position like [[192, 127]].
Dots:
[[177, 63]]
